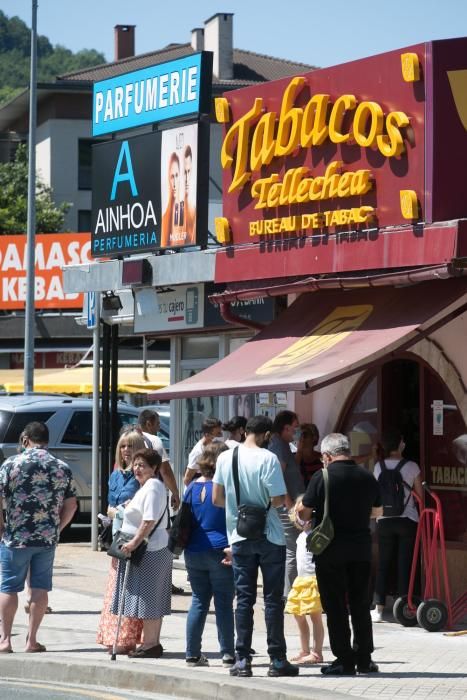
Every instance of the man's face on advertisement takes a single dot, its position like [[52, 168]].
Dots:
[[174, 177], [188, 164]]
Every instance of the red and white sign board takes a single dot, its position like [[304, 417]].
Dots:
[[52, 252]]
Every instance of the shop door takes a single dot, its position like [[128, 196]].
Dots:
[[400, 403]]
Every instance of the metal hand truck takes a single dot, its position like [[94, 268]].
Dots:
[[436, 610]]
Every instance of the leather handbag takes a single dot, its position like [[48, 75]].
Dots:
[[121, 538], [322, 535], [251, 519], [182, 527]]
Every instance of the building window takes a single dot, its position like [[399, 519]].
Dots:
[[85, 163], [84, 220]]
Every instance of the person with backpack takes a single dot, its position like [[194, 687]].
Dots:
[[397, 527]]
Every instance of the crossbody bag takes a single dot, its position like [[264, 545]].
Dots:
[[322, 535], [251, 520]]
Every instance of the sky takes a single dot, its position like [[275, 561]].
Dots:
[[318, 33]]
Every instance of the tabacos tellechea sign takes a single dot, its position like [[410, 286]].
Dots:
[[154, 94]]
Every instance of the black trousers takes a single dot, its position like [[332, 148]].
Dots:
[[342, 586], [396, 539]]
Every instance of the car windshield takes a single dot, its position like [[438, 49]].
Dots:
[[12, 424]]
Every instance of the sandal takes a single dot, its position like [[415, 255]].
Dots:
[[36, 650], [300, 658]]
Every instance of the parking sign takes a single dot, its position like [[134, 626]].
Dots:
[[91, 310]]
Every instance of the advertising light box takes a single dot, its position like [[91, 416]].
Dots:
[[316, 165], [151, 95], [145, 192], [52, 252]]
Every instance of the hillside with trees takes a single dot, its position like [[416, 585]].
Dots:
[[15, 47]]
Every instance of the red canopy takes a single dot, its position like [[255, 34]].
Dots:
[[325, 335]]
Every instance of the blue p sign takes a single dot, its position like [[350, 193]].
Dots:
[[91, 306]]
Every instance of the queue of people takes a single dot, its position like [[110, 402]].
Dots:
[[254, 503]]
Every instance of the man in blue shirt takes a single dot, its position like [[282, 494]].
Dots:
[[261, 483]]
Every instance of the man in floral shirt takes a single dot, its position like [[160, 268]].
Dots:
[[38, 496]]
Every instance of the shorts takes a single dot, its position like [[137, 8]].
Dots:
[[304, 598], [17, 561]]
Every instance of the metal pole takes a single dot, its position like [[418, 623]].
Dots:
[[31, 218], [95, 422], [114, 428], [106, 457]]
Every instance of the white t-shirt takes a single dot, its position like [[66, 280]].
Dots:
[[409, 473], [305, 563], [157, 445], [231, 444], [194, 455], [149, 503]]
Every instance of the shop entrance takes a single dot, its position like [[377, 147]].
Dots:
[[400, 402], [406, 394]]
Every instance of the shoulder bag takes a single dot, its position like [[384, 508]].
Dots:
[[121, 538], [182, 526], [251, 520], [322, 535]]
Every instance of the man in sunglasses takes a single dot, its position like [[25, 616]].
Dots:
[[343, 568]]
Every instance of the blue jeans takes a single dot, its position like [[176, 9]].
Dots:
[[248, 556], [209, 578]]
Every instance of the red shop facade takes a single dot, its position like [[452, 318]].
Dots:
[[344, 191]]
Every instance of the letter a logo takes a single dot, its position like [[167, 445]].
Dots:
[[120, 176]]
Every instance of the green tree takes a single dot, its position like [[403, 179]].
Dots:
[[14, 199], [15, 47]]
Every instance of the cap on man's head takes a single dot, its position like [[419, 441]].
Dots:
[[259, 425], [37, 432]]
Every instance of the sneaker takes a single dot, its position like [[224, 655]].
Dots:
[[241, 668], [197, 661], [228, 660], [282, 667], [376, 615]]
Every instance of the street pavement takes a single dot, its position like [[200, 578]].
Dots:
[[413, 663]]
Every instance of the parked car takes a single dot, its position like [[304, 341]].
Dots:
[[70, 426]]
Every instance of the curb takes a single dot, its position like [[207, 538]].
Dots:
[[124, 675]]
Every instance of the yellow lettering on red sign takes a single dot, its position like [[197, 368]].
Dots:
[[297, 188], [338, 217], [455, 477], [333, 329], [305, 127]]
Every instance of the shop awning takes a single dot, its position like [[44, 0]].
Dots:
[[79, 380], [326, 335]]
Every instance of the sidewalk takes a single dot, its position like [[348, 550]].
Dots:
[[413, 663]]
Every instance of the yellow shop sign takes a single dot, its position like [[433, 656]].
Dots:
[[259, 136]]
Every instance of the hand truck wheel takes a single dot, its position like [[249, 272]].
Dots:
[[432, 615], [403, 614]]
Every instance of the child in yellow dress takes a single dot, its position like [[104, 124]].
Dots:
[[304, 599]]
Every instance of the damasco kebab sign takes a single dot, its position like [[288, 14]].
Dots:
[[52, 252], [346, 150]]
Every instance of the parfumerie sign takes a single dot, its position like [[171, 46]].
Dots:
[[145, 192], [165, 91]]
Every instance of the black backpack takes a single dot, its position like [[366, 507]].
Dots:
[[391, 485]]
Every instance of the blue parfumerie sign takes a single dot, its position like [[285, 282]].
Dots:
[[154, 94]]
